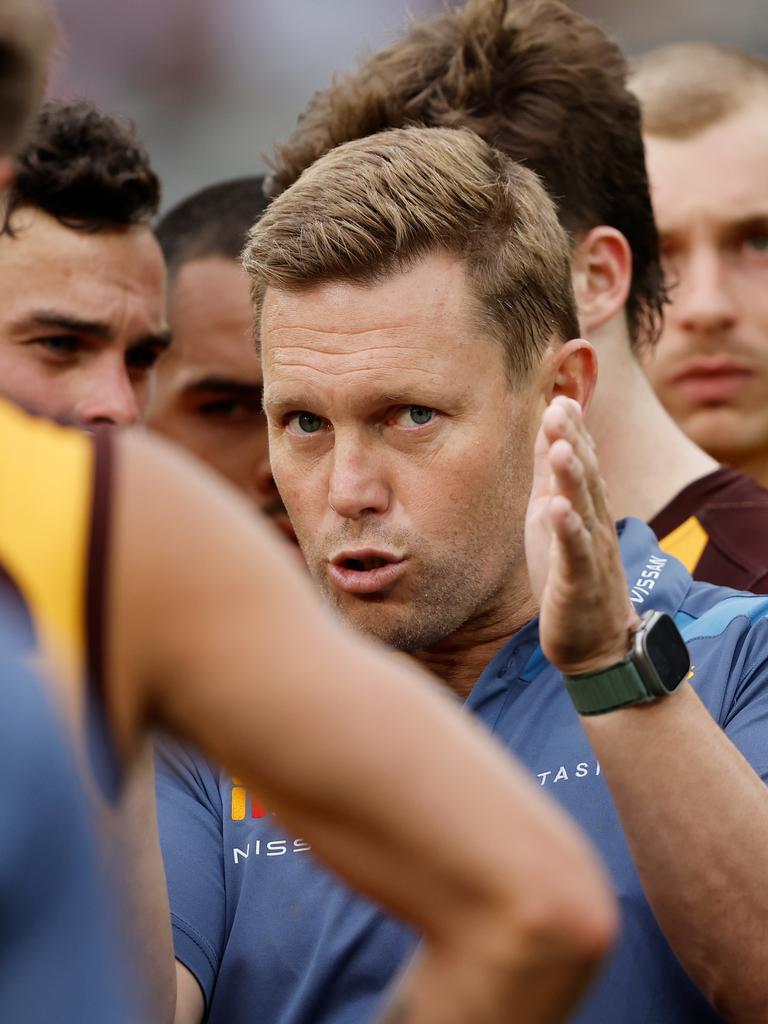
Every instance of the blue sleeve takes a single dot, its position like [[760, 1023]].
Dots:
[[189, 816], [746, 721], [736, 688]]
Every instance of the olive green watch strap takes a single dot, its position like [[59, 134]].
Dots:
[[617, 687]]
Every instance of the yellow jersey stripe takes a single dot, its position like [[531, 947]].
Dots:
[[686, 543], [46, 482]]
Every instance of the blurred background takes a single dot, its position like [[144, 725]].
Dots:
[[213, 84]]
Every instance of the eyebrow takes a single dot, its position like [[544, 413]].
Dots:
[[96, 328], [228, 384], [277, 399], [43, 318], [750, 221]]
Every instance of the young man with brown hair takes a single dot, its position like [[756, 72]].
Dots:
[[547, 87], [705, 123], [83, 314], [414, 304]]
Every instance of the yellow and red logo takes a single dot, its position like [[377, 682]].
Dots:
[[239, 803]]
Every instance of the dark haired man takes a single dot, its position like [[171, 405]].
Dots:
[[416, 315], [706, 139], [82, 319], [208, 386], [547, 87]]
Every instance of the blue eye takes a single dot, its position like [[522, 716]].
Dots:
[[304, 422], [309, 423], [421, 414]]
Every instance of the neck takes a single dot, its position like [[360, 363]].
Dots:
[[645, 457], [754, 464], [459, 660]]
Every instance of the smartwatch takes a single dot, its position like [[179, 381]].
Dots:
[[657, 663]]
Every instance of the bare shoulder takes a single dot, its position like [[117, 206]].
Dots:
[[190, 1004], [198, 580], [176, 520]]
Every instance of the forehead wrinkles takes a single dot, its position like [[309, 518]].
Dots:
[[342, 357]]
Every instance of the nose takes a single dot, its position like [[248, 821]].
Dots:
[[107, 396], [356, 486], [702, 301]]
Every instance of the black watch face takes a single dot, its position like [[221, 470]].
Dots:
[[667, 653]]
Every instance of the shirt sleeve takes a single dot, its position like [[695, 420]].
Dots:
[[189, 813], [737, 691]]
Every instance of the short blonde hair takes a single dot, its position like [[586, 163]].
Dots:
[[377, 205], [27, 33], [687, 87]]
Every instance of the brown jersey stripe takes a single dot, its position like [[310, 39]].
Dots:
[[98, 555]]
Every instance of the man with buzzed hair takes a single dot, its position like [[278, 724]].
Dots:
[[705, 121], [548, 87], [208, 386], [423, 374]]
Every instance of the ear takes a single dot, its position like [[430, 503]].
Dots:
[[602, 275], [573, 372]]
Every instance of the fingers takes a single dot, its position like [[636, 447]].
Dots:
[[575, 472], [573, 537], [541, 468]]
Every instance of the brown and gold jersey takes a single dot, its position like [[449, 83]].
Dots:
[[717, 527], [53, 516]]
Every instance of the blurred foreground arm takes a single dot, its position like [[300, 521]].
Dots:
[[216, 634]]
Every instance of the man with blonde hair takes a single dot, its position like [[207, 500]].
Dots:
[[199, 605], [705, 122], [548, 88], [423, 377]]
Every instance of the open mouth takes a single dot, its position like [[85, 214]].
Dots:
[[364, 564], [365, 572]]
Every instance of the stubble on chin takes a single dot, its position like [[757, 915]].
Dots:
[[441, 605]]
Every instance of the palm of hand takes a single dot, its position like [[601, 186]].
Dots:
[[572, 551]]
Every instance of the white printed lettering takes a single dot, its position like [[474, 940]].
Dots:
[[246, 853], [647, 580], [563, 774]]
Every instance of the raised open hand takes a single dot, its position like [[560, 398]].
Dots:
[[572, 549]]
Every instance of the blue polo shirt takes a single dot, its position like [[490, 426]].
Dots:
[[272, 936]]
